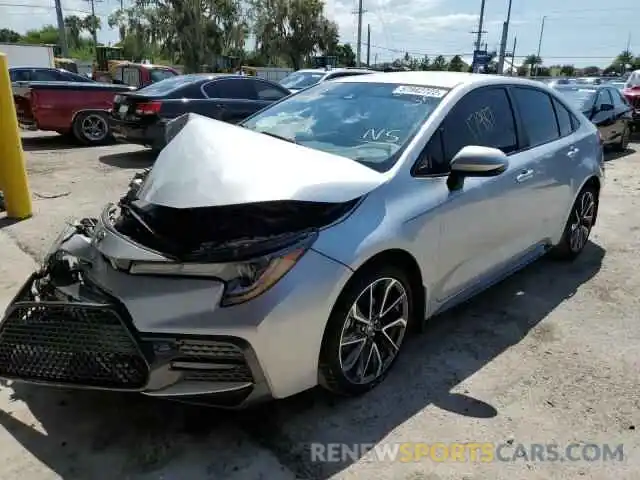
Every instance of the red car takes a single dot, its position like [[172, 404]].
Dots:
[[79, 109], [632, 93]]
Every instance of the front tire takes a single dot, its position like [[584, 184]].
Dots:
[[365, 331], [92, 128], [579, 225]]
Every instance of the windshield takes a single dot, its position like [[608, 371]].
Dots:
[[165, 86], [580, 98], [370, 123], [301, 79], [159, 74]]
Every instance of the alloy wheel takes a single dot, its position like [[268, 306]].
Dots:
[[373, 331], [582, 217], [94, 127]]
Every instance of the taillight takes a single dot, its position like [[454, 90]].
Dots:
[[599, 136], [149, 108]]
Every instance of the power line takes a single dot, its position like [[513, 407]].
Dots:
[[465, 54]]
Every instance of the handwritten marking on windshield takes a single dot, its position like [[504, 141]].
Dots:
[[382, 135]]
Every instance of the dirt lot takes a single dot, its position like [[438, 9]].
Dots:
[[548, 356]]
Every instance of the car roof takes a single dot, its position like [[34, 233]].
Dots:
[[447, 80], [334, 70]]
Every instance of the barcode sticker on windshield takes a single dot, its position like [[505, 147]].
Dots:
[[420, 91]]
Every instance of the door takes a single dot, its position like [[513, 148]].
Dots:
[[481, 222], [603, 115], [231, 99], [544, 200]]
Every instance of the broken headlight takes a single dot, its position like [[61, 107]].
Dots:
[[243, 280]]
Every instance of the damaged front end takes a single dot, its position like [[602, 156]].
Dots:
[[76, 322]]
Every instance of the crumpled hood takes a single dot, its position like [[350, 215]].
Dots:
[[212, 163]]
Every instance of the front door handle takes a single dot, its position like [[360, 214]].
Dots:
[[573, 151], [524, 176]]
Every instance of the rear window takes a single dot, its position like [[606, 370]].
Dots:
[[164, 87], [580, 98], [159, 74], [299, 80]]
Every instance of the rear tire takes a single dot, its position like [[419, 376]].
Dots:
[[92, 128], [363, 339], [578, 227]]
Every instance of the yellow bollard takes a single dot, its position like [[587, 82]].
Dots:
[[13, 174]]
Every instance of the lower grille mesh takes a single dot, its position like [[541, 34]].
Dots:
[[231, 365], [70, 344]]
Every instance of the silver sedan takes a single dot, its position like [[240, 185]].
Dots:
[[301, 247]]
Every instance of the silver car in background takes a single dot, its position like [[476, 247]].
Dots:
[[301, 247]]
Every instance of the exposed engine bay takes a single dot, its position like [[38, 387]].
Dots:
[[221, 233]]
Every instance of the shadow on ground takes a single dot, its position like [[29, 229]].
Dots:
[[611, 155], [138, 159], [49, 142], [129, 435]]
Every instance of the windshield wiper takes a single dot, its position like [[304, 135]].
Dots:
[[281, 137]]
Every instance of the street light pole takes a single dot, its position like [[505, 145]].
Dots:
[[540, 42], [503, 43]]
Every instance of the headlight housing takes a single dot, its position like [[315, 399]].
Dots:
[[244, 280]]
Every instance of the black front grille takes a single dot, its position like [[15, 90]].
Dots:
[[212, 361], [70, 344]]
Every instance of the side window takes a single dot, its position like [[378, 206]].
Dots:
[[131, 76], [432, 160], [118, 75], [537, 115], [604, 97], [564, 119], [19, 75], [232, 88], [617, 98], [265, 91], [45, 76], [483, 117]]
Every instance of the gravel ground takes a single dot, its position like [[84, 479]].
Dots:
[[548, 356]]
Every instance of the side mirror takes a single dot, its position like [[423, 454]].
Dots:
[[606, 107], [476, 161]]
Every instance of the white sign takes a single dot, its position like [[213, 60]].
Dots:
[[420, 91]]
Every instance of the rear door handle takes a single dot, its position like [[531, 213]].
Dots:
[[524, 176]]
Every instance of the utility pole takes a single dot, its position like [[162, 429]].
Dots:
[[480, 22], [513, 55], [62, 31], [503, 43], [540, 42], [94, 32], [359, 49], [368, 45]]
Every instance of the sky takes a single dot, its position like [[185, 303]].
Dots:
[[580, 32]]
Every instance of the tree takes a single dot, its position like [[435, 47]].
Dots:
[[439, 63], [567, 70], [624, 58], [74, 26], [47, 34], [532, 61], [9, 36], [591, 71], [294, 30], [425, 63], [457, 65], [345, 55]]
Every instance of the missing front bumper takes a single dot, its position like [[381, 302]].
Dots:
[[61, 341]]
